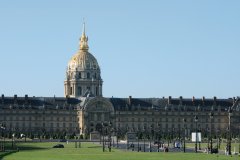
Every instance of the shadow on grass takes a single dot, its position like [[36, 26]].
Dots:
[[6, 154], [19, 148], [95, 147], [22, 146]]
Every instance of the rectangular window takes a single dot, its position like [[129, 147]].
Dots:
[[79, 91], [96, 91], [79, 75]]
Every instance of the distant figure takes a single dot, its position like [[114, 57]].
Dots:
[[165, 149], [226, 150]]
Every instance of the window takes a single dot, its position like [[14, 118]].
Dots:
[[96, 91], [79, 91], [79, 75], [71, 91], [88, 75], [88, 88]]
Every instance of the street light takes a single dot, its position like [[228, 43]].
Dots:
[[118, 129], [138, 140], [229, 125], [158, 141], [207, 140], [239, 140], [173, 135], [103, 145], [196, 120], [144, 139], [152, 132], [13, 139], [184, 137], [211, 117], [218, 139], [110, 138], [3, 136]]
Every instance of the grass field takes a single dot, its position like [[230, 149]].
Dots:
[[90, 151]]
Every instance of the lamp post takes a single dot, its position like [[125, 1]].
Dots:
[[229, 127], [211, 117], [117, 135], [143, 139], [110, 138], [173, 129], [3, 136], [196, 120], [184, 133], [158, 137], [138, 140], [103, 143], [208, 140], [150, 137], [13, 139], [218, 139], [239, 141]]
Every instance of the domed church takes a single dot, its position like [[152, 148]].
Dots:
[[84, 110], [83, 76]]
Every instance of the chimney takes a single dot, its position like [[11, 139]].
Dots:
[[26, 99], [15, 98], [234, 100], [193, 100], [169, 100], [130, 100], [2, 98], [214, 101], [180, 102], [203, 100]]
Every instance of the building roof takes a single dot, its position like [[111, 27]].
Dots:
[[118, 103]]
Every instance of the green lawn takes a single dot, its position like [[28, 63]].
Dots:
[[90, 151]]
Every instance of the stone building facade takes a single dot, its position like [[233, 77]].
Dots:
[[84, 109]]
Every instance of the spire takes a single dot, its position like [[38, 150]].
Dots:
[[84, 39]]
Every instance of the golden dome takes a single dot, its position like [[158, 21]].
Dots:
[[83, 59]]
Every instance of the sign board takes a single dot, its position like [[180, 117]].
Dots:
[[198, 136], [94, 136], [131, 136]]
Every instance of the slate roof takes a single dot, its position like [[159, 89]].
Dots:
[[118, 103]]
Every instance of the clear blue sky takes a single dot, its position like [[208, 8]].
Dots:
[[148, 48]]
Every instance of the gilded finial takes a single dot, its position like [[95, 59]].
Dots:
[[83, 32], [83, 39]]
